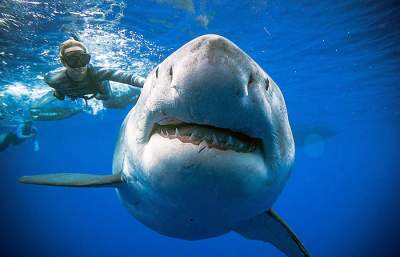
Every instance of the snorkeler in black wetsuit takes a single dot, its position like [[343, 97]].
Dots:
[[23, 132], [79, 79]]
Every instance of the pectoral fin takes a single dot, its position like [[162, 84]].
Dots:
[[269, 227], [73, 180]]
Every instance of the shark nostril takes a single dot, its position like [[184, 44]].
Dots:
[[251, 79], [266, 84]]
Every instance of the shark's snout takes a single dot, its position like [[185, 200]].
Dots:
[[214, 68], [209, 81], [216, 46]]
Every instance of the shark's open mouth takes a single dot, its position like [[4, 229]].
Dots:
[[208, 136]]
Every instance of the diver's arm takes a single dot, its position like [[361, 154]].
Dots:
[[36, 146], [58, 95], [20, 133], [120, 76], [51, 79], [34, 131]]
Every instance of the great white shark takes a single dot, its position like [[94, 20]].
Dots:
[[206, 150]]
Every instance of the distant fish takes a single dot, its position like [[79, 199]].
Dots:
[[206, 150], [303, 133]]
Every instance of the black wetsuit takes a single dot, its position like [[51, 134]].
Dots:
[[95, 82], [15, 138], [7, 139]]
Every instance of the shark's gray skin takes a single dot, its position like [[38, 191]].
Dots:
[[206, 150]]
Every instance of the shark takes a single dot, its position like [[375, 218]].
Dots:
[[206, 150]]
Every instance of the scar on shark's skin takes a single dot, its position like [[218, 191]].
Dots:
[[206, 150]]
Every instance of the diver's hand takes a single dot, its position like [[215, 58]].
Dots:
[[138, 81], [58, 95]]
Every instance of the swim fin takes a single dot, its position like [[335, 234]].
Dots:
[[270, 228], [73, 180]]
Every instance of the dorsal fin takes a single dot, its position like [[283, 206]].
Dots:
[[73, 180]]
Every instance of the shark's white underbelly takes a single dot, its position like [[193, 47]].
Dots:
[[182, 193]]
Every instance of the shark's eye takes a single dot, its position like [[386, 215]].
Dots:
[[157, 72], [266, 84], [170, 72]]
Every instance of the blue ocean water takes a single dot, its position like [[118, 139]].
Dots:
[[338, 66]]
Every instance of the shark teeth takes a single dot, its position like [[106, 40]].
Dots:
[[163, 133], [192, 137], [208, 137], [202, 146]]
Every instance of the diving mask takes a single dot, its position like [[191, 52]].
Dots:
[[76, 60]]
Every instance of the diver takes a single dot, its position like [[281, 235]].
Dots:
[[23, 132], [79, 79]]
